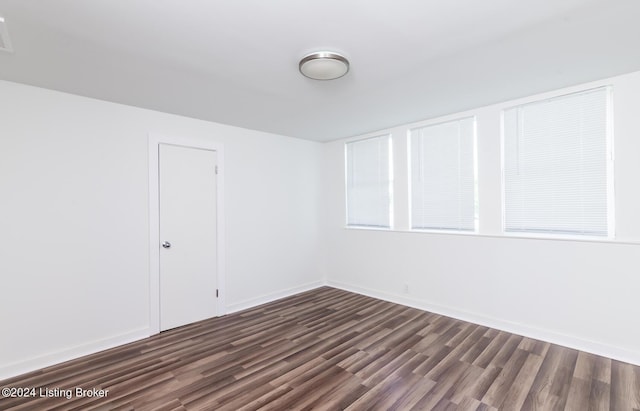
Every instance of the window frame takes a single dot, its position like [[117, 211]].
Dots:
[[476, 207], [609, 169], [390, 165]]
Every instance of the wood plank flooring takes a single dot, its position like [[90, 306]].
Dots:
[[329, 349]]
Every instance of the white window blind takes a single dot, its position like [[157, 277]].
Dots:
[[368, 174], [443, 177], [557, 157]]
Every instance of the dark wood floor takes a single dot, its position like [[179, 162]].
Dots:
[[328, 349]]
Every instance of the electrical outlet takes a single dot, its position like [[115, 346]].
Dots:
[[405, 288]]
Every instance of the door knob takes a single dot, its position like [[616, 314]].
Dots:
[[166, 244]]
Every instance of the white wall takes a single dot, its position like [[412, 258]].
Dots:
[[577, 293], [74, 252]]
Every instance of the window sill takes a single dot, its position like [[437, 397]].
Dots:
[[514, 236], [367, 228]]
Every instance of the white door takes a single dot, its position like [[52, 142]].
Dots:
[[188, 235]]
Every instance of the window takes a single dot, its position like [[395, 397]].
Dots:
[[443, 177], [558, 166], [369, 176]]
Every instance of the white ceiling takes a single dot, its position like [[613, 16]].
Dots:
[[235, 61]]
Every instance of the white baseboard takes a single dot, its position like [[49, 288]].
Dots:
[[593, 347], [267, 298], [46, 360], [617, 353]]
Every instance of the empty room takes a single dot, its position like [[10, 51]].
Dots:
[[305, 205]]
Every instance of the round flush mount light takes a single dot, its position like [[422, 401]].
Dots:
[[324, 65]]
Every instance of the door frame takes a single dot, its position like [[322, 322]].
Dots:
[[154, 220]]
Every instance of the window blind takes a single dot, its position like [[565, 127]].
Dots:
[[556, 155], [443, 177], [368, 175]]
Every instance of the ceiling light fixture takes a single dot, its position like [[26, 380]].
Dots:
[[324, 65]]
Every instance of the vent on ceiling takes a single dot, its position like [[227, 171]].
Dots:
[[5, 43]]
